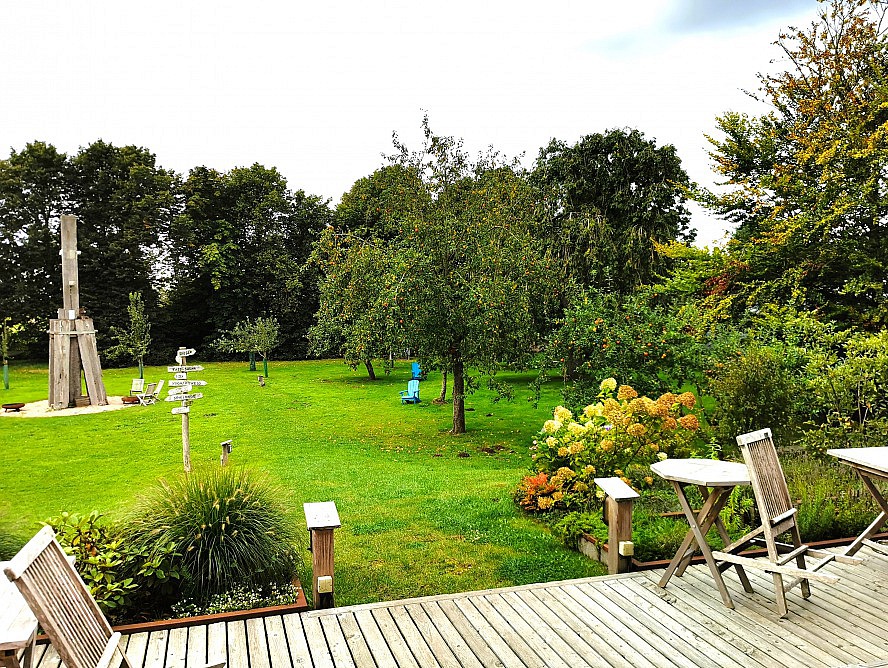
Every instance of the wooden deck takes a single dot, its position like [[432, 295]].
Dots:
[[624, 620]]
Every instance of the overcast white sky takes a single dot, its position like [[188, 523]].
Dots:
[[316, 89]]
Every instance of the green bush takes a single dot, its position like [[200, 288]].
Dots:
[[121, 577], [228, 525], [751, 392], [847, 397]]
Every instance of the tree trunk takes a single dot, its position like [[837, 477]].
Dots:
[[265, 366], [443, 396], [141, 369], [459, 404], [370, 371], [252, 361]]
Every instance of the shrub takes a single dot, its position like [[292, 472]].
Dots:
[[751, 392], [121, 577], [621, 435], [847, 396], [227, 524]]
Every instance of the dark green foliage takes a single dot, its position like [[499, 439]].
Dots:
[[127, 582], [604, 203], [753, 391], [227, 524]]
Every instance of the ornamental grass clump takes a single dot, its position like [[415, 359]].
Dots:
[[621, 435], [228, 525]]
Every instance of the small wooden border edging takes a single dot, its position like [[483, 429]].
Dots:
[[301, 605]]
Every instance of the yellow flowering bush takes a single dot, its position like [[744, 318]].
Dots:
[[621, 435]]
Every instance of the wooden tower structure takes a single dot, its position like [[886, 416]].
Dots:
[[72, 337]]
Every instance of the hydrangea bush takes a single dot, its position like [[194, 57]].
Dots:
[[621, 435]]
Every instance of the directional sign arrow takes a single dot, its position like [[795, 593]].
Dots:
[[183, 383], [180, 410], [181, 376], [184, 369], [185, 352], [184, 397], [182, 389]]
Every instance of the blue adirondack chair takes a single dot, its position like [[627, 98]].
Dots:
[[417, 372], [411, 394]]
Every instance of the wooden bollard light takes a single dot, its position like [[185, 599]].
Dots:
[[321, 519], [226, 450]]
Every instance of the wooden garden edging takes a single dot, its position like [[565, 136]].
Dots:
[[301, 605]]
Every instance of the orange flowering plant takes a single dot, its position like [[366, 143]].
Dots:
[[621, 435]]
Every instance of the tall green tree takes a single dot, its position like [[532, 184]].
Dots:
[[33, 195], [357, 318], [605, 202], [261, 336], [470, 276], [807, 183], [239, 250], [125, 203]]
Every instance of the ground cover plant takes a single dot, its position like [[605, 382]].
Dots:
[[423, 512]]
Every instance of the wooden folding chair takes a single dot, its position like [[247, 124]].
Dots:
[[778, 517], [64, 607]]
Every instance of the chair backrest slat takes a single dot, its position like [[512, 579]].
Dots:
[[61, 601], [765, 473]]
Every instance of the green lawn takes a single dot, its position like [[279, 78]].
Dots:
[[423, 512]]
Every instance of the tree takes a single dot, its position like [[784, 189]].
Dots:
[[466, 275], [239, 249], [606, 202], [125, 204], [136, 339], [32, 197], [807, 183], [258, 336], [357, 317]]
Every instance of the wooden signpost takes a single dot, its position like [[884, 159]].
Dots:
[[181, 391]]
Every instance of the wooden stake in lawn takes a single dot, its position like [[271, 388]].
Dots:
[[180, 390], [72, 337]]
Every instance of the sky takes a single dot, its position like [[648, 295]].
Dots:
[[316, 89]]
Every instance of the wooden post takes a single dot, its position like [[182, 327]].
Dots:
[[186, 443], [226, 450], [618, 501], [321, 519]]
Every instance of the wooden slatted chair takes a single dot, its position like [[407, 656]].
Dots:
[[778, 516], [137, 387], [149, 396], [64, 607]]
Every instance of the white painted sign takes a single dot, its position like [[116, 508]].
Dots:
[[183, 389], [185, 352], [185, 369], [180, 376], [180, 410], [184, 397], [183, 383]]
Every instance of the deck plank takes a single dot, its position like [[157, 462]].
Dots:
[[461, 649], [479, 646], [339, 650], [317, 642], [494, 640], [382, 655], [417, 644], [394, 639], [135, 649], [278, 652], [155, 654], [217, 643], [300, 655], [196, 652], [257, 643], [238, 652], [177, 645], [360, 651]]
